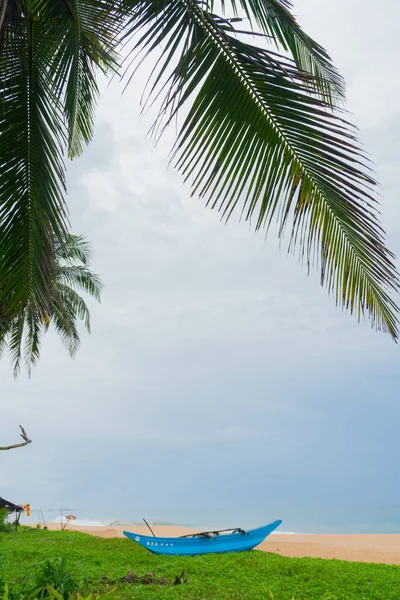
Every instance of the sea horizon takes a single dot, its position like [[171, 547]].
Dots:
[[312, 520]]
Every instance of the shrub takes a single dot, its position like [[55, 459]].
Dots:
[[5, 526], [55, 578]]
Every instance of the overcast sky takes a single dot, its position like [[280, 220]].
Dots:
[[217, 373]]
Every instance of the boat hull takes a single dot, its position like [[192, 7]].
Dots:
[[191, 546]]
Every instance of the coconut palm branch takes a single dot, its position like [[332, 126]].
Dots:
[[276, 20], [261, 135], [256, 138], [32, 179], [50, 53], [71, 274]]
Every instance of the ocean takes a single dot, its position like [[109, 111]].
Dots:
[[355, 519]]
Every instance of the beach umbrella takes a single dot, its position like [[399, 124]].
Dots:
[[70, 518]]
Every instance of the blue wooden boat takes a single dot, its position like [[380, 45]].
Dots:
[[205, 542]]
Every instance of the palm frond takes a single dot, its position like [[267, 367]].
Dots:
[[72, 249], [11, 15], [64, 321], [71, 269], [5, 325], [275, 18], [91, 30], [68, 254], [81, 278], [15, 339], [49, 54], [255, 136], [34, 325], [68, 306], [32, 177], [75, 304]]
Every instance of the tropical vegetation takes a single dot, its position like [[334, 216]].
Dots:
[[4, 523], [117, 568], [263, 135], [70, 273]]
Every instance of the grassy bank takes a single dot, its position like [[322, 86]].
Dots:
[[105, 562]]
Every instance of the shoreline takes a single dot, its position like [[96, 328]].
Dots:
[[363, 547]]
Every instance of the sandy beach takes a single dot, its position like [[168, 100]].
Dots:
[[379, 548]]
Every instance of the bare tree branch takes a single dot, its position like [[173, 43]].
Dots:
[[24, 443]]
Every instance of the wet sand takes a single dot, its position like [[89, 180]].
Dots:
[[379, 548]]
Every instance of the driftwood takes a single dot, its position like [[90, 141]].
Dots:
[[24, 443]]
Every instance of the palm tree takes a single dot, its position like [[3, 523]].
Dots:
[[71, 273], [264, 134]]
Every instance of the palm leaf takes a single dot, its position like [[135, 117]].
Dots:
[[255, 136], [15, 338], [71, 272], [68, 254], [50, 50], [72, 249], [274, 17], [91, 29], [11, 15], [5, 325], [34, 325], [74, 303], [32, 178], [64, 322], [81, 278]]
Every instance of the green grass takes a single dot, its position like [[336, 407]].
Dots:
[[245, 576]]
